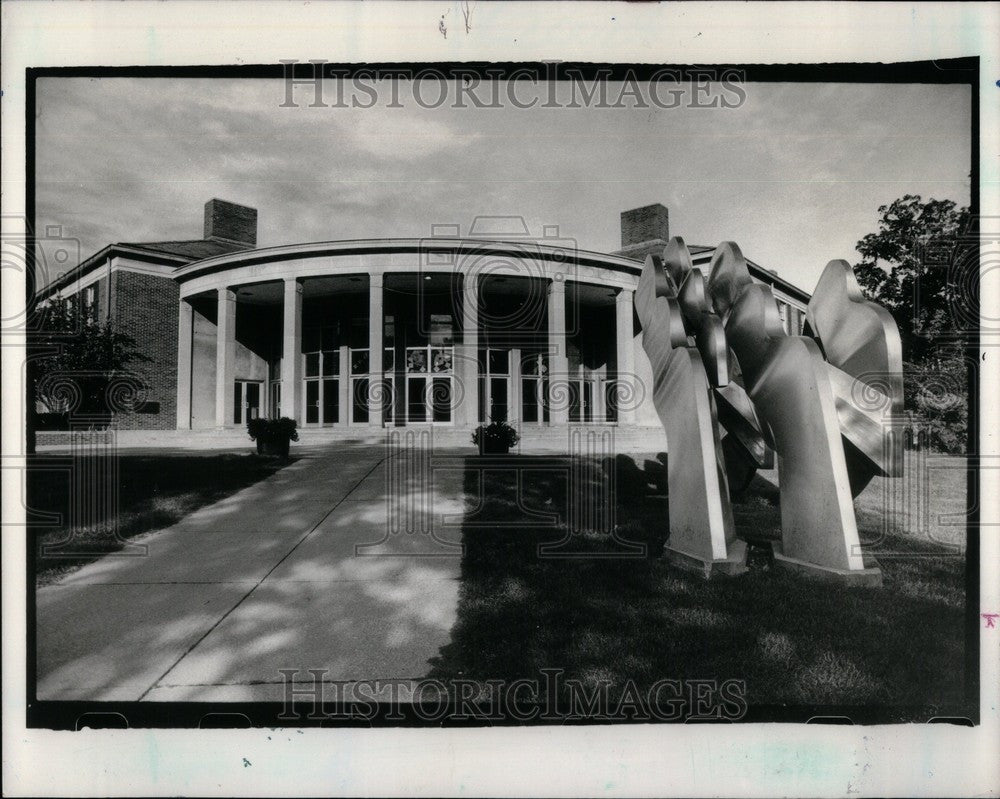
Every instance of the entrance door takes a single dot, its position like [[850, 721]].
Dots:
[[246, 400], [428, 385]]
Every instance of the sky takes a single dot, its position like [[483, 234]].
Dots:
[[794, 175]]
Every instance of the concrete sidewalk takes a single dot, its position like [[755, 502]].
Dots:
[[345, 561]]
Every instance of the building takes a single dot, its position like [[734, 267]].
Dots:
[[442, 331]]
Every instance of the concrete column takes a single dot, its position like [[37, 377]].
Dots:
[[469, 374], [626, 356], [558, 362], [376, 326], [344, 386], [291, 351], [514, 400], [225, 357], [185, 324]]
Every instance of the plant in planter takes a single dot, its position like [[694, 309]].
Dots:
[[497, 437], [273, 435]]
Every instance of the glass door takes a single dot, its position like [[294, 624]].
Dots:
[[246, 400], [429, 389]]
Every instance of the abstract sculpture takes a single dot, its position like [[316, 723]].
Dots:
[[732, 388]]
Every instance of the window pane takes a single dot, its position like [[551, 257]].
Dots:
[[441, 399], [498, 362], [482, 398], [359, 362], [441, 360], [360, 400], [529, 400], [441, 329], [331, 362], [529, 365], [498, 399], [416, 410], [389, 359], [237, 402], [253, 400], [331, 401], [312, 364], [312, 401], [416, 360]]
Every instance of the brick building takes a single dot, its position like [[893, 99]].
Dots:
[[442, 331]]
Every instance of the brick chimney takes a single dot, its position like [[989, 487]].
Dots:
[[225, 221], [644, 230]]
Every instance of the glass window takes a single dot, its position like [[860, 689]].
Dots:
[[331, 401], [441, 360], [498, 362], [389, 359], [359, 362], [416, 410], [416, 360], [360, 401], [441, 399], [237, 403], [312, 364], [529, 400], [312, 402], [331, 362], [441, 329]]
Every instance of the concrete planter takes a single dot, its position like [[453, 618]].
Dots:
[[273, 446]]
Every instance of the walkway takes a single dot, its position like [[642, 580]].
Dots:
[[294, 572]]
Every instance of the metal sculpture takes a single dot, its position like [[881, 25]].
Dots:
[[731, 387]]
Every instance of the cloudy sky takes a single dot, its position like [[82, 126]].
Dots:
[[794, 175]]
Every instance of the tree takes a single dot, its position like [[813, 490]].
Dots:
[[902, 269], [79, 363], [906, 268]]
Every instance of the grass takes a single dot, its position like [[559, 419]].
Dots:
[[794, 641], [153, 491]]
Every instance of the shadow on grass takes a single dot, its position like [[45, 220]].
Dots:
[[600, 618], [152, 491]]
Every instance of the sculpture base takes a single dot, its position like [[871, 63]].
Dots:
[[735, 564], [870, 576]]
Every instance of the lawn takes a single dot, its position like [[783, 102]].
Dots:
[[793, 640], [153, 491]]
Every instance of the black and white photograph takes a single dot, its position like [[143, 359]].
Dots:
[[352, 393]]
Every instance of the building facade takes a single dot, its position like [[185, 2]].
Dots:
[[355, 336]]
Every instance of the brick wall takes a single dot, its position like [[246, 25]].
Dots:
[[651, 222], [145, 307]]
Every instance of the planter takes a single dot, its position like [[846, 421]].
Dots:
[[273, 447], [490, 446]]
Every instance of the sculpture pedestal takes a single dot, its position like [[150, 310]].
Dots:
[[870, 576], [735, 563]]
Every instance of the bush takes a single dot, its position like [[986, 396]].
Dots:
[[283, 428], [495, 434]]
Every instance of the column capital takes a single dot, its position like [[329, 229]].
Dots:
[[377, 279], [624, 296], [557, 284], [293, 283]]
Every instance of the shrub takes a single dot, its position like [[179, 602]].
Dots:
[[496, 432]]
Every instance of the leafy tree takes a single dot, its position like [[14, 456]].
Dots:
[[904, 267], [901, 268], [76, 359]]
